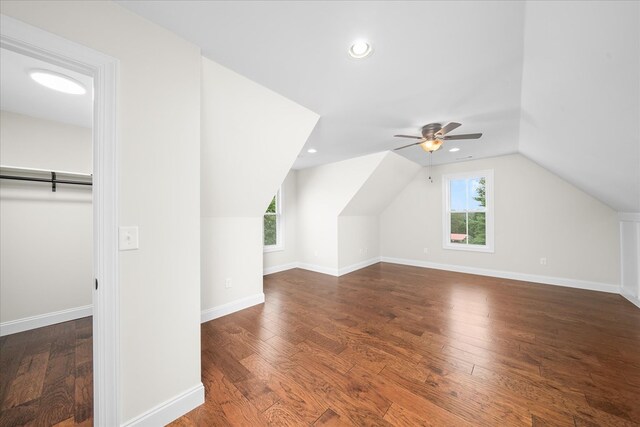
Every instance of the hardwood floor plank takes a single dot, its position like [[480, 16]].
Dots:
[[300, 399], [42, 383], [257, 392], [57, 401], [399, 416], [22, 415], [83, 388], [330, 419], [29, 380]]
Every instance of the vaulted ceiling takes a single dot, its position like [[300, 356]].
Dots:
[[556, 81]]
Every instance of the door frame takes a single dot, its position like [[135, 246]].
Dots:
[[19, 37]]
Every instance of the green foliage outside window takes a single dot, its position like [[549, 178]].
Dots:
[[271, 224], [477, 221], [471, 225]]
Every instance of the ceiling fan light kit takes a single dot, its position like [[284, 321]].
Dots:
[[434, 135], [431, 145]]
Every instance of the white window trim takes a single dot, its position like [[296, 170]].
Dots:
[[489, 209], [279, 246]]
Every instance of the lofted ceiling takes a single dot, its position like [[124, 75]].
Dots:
[[519, 72], [20, 94], [432, 62]]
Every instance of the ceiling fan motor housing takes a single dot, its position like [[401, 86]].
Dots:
[[429, 131]]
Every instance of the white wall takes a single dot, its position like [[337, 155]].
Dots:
[[358, 223], [46, 242], [358, 240], [323, 192], [537, 214], [231, 249], [158, 119], [42, 144], [250, 138], [338, 208], [289, 199], [630, 256]]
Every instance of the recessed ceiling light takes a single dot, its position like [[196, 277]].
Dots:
[[57, 81], [454, 149], [312, 150], [360, 49]]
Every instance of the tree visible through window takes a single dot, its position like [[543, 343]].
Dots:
[[467, 211], [272, 222]]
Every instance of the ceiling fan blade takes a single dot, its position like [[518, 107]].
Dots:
[[408, 136], [465, 136], [448, 128], [408, 145]]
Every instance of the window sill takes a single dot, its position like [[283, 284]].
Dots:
[[273, 248], [469, 248]]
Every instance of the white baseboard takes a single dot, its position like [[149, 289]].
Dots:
[[278, 268], [170, 410], [231, 307], [33, 322], [357, 266], [319, 269], [633, 300], [558, 281], [548, 280]]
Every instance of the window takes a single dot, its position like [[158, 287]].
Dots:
[[272, 226], [468, 211]]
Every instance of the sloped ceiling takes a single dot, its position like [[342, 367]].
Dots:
[[250, 138], [383, 185], [581, 96], [557, 81]]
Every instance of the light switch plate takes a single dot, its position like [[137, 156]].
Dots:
[[128, 238]]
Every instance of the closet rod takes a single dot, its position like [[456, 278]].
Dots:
[[53, 179]]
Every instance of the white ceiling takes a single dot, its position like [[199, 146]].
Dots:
[[566, 96], [20, 94], [581, 96], [432, 62], [556, 81]]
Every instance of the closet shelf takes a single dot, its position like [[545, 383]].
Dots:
[[43, 175]]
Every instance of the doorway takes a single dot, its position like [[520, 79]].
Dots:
[[46, 244], [19, 38]]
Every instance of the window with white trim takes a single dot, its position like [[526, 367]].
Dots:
[[272, 225], [468, 211]]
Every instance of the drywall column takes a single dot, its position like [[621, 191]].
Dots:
[[630, 256], [250, 138]]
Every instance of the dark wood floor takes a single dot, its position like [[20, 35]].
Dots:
[[46, 376], [387, 345], [396, 345]]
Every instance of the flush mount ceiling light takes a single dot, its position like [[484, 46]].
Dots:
[[312, 150], [360, 49], [57, 81], [453, 150]]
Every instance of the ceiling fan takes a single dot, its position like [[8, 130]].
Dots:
[[434, 134]]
